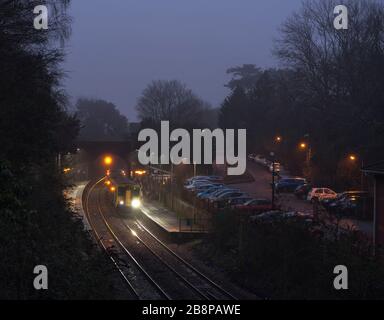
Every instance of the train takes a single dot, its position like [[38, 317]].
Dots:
[[126, 192]]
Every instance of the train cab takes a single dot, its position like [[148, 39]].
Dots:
[[126, 192]]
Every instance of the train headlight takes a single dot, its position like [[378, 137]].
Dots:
[[136, 203], [121, 202]]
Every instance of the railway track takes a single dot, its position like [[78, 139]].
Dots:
[[164, 271], [204, 282], [143, 281]]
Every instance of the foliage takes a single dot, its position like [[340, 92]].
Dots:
[[101, 120], [294, 259], [330, 93], [36, 225]]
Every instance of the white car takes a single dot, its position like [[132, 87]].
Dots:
[[260, 159], [321, 194]]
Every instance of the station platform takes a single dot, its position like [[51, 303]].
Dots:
[[168, 220]]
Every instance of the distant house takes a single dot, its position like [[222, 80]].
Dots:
[[377, 172]]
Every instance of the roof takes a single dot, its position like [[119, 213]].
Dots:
[[119, 179], [375, 168]]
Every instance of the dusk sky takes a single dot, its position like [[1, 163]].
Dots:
[[119, 46]]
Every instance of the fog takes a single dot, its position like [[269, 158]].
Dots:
[[116, 49]]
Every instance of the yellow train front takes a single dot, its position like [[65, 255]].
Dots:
[[126, 193]]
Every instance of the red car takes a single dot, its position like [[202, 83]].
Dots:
[[255, 206]]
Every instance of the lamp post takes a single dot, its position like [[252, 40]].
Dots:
[[354, 158], [306, 146], [273, 179]]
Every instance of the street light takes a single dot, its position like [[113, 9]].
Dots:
[[303, 145], [108, 160], [278, 139], [273, 179]]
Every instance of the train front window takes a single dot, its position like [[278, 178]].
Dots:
[[121, 191], [135, 191]]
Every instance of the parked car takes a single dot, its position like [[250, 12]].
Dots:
[[251, 157], [219, 192], [319, 194], [302, 191], [196, 184], [255, 205], [260, 159], [230, 202], [289, 184], [203, 187], [203, 178], [358, 204], [327, 203], [205, 193], [227, 195], [238, 200]]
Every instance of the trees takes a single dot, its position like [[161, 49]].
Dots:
[[101, 120], [245, 77], [172, 101], [341, 72], [331, 89], [33, 119], [34, 128]]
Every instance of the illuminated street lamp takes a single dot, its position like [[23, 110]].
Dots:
[[303, 145], [108, 160], [352, 157], [278, 139]]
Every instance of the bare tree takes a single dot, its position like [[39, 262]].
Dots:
[[172, 101], [336, 66]]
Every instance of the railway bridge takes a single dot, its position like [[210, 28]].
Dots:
[[91, 153]]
